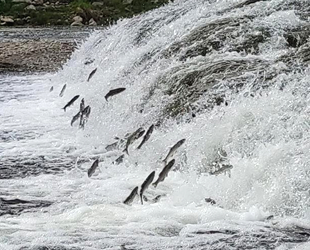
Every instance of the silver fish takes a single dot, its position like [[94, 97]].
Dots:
[[77, 116], [146, 184], [112, 146], [132, 196], [82, 105], [51, 89], [147, 136], [91, 74], [134, 136], [173, 150], [63, 90], [225, 168], [84, 116], [71, 102], [119, 159], [164, 173], [93, 168], [113, 92]]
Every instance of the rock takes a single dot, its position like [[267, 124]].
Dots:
[[97, 4], [92, 22], [21, 1], [30, 7], [6, 20], [77, 19], [38, 2], [127, 1], [76, 24]]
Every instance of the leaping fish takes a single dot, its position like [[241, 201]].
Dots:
[[71, 102], [113, 92], [63, 90], [132, 196], [134, 136], [147, 136], [82, 105], [173, 150], [164, 173], [84, 116], [91, 74], [93, 168], [146, 184], [77, 116]]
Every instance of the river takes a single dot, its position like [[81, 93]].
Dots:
[[227, 77]]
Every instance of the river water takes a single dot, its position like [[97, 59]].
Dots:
[[164, 58]]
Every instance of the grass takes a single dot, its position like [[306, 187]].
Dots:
[[109, 12]]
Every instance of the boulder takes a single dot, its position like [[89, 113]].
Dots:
[[6, 20], [30, 7], [77, 19], [127, 1], [76, 24], [92, 22], [97, 4], [21, 1], [38, 2]]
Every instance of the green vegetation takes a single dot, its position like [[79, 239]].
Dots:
[[104, 12]]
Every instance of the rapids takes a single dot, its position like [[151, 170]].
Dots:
[[231, 77]]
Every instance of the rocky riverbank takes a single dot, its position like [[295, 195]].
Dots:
[[67, 12], [37, 50]]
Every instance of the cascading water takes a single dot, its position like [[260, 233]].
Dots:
[[231, 77]]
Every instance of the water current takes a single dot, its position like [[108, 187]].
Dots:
[[232, 78]]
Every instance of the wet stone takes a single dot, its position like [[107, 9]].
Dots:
[[17, 206]]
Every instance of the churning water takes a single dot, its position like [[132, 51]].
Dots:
[[231, 77]]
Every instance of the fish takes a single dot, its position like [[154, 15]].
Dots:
[[112, 146], [51, 89], [71, 102], [119, 159], [77, 116], [63, 90], [82, 105], [146, 184], [113, 92], [164, 173], [91, 74], [173, 149], [93, 168], [87, 113], [211, 201], [224, 169], [147, 136], [134, 136], [84, 116], [132, 196]]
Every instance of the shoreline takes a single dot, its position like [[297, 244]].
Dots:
[[38, 50]]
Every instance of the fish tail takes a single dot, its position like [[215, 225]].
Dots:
[[141, 199], [126, 151]]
